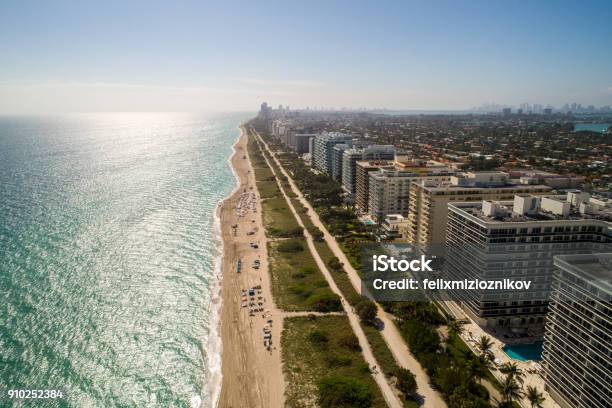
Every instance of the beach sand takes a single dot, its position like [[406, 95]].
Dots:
[[252, 375]]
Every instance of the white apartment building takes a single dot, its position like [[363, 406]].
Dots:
[[428, 212], [577, 357], [518, 239], [389, 189], [323, 145], [350, 158]]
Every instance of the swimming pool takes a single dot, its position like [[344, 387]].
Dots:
[[524, 352]]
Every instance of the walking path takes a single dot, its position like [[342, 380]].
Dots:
[[387, 391], [395, 342]]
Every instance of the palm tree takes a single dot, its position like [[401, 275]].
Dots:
[[455, 327], [478, 367], [512, 370], [510, 390], [484, 344], [536, 399]]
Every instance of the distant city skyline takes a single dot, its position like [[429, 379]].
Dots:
[[159, 56]]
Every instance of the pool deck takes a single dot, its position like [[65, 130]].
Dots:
[[472, 332]]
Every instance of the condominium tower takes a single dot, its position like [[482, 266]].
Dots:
[[577, 356], [517, 240], [350, 158], [323, 145], [389, 189], [429, 200]]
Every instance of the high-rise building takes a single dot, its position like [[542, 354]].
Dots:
[[389, 189], [429, 200], [518, 239], [300, 142], [336, 165], [323, 145], [350, 158], [577, 358], [362, 183]]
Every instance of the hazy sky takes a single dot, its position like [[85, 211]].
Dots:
[[197, 56]]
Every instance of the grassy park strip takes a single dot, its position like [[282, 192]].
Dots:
[[322, 356], [297, 283]]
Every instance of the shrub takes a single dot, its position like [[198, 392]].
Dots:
[[406, 382], [324, 302], [335, 264], [299, 289], [291, 246], [308, 270], [343, 392], [318, 337], [366, 309], [317, 234], [350, 342], [422, 339], [321, 283], [448, 379], [303, 272], [296, 232], [338, 361]]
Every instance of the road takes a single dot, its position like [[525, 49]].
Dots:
[[395, 342]]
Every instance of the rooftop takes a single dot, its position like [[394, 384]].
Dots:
[[527, 208], [591, 266]]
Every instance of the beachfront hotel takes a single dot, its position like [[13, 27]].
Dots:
[[429, 200], [517, 239], [577, 358]]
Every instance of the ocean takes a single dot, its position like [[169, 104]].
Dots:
[[108, 243]]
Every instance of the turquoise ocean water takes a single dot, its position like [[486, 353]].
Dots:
[[592, 127], [108, 247]]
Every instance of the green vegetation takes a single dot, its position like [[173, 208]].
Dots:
[[406, 382], [366, 309], [339, 391], [279, 220], [452, 367], [297, 283], [323, 364]]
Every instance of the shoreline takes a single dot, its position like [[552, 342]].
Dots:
[[250, 375], [215, 342]]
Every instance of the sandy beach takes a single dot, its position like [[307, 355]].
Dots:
[[252, 373]]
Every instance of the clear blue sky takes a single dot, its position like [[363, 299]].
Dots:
[[151, 55]]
